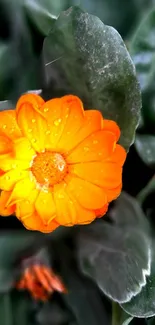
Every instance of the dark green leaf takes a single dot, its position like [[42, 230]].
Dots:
[[5, 105], [147, 190], [52, 313], [117, 255], [145, 145], [6, 309], [87, 58], [143, 305]]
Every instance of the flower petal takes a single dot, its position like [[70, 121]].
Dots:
[[5, 145], [101, 212], [106, 175], [56, 113], [23, 149], [10, 178], [22, 190], [45, 206], [98, 146], [26, 207], [112, 126], [118, 156], [34, 100], [4, 210], [34, 222], [8, 162], [8, 124], [69, 211], [88, 195], [33, 126]]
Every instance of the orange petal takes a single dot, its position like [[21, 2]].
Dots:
[[102, 174], [34, 100], [69, 211], [34, 222], [118, 156], [92, 122], [41, 277], [4, 210], [101, 212], [112, 126], [56, 113], [73, 123], [33, 125], [5, 145], [8, 124], [23, 149], [26, 207], [87, 194], [45, 206], [8, 162], [113, 193], [10, 178], [98, 146], [22, 190]]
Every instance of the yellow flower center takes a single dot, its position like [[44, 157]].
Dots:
[[49, 168]]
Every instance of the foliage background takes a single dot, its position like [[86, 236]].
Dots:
[[94, 272]]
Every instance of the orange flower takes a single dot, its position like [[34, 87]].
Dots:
[[40, 281], [59, 164]]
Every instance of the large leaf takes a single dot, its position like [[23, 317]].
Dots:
[[143, 305], [87, 58], [117, 255]]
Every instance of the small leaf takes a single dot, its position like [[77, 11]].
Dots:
[[117, 255], [87, 58], [143, 305], [145, 146]]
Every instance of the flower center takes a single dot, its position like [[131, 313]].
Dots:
[[49, 168]]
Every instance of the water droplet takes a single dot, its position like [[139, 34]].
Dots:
[[34, 140], [95, 142], [4, 126], [100, 153], [14, 165], [57, 122], [86, 149], [29, 130], [33, 120], [27, 202], [61, 196], [46, 109], [66, 115], [48, 132], [7, 177]]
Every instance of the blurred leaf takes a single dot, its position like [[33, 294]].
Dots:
[[117, 255], [143, 304], [119, 316], [87, 58], [15, 245], [52, 313], [145, 146], [6, 309], [5, 105], [142, 50], [147, 190], [41, 13]]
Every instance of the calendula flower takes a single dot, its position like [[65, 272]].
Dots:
[[40, 281], [59, 164]]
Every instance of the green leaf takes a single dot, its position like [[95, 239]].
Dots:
[[41, 13], [87, 58], [6, 309], [145, 146], [142, 50], [143, 304], [117, 255], [52, 311]]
